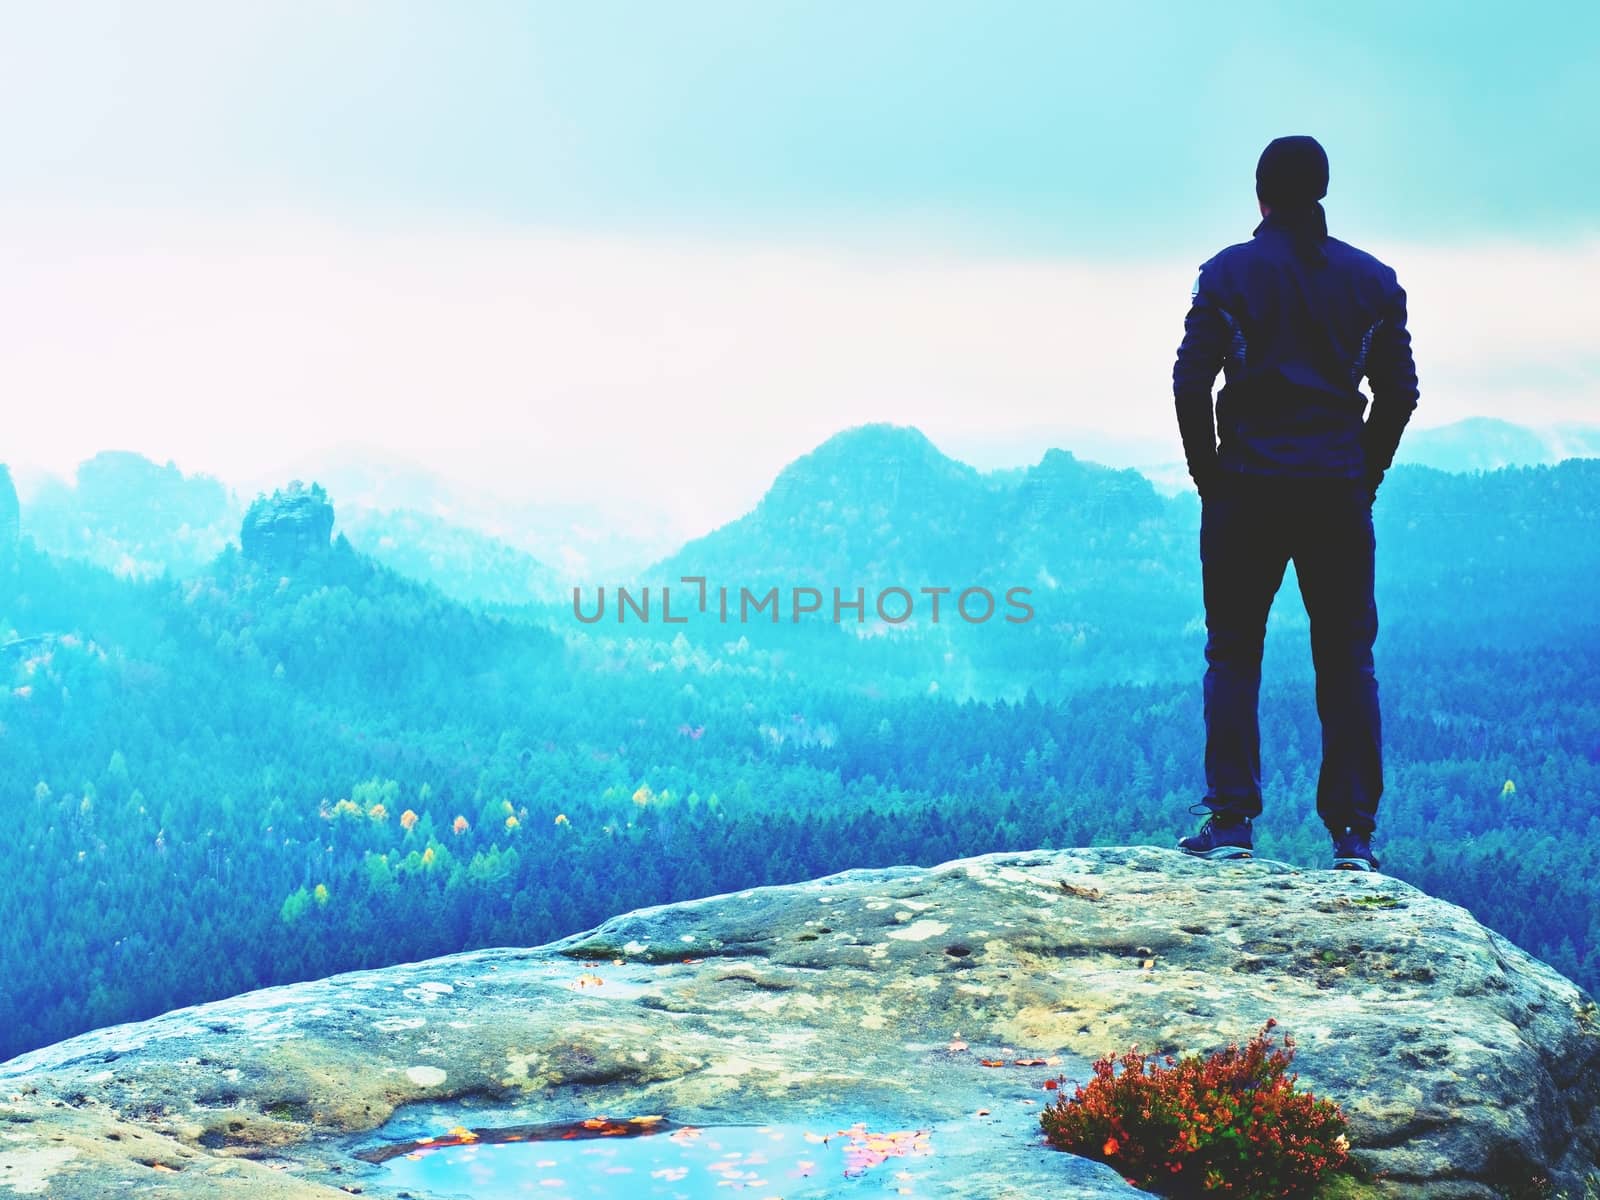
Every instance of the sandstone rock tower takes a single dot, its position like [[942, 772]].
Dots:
[[289, 527]]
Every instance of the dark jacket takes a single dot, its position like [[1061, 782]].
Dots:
[[1295, 319]]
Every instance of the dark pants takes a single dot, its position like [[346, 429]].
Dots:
[[1250, 527]]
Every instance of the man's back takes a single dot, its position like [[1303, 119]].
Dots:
[[1295, 319]]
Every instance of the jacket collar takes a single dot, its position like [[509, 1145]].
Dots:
[[1298, 222]]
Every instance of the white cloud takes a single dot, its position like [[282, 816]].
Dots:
[[668, 374]]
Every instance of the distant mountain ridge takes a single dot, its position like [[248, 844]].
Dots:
[[462, 562], [869, 503], [1489, 443], [572, 535], [882, 503], [10, 521], [1471, 444], [139, 519], [879, 499], [133, 516]]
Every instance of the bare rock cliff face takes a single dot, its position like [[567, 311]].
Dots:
[[289, 527], [1466, 1067]]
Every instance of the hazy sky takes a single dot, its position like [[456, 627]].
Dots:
[[656, 251]]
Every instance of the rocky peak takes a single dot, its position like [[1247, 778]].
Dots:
[[872, 467], [941, 999], [1061, 484], [289, 527]]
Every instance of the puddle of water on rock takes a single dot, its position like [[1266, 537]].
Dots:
[[654, 1158]]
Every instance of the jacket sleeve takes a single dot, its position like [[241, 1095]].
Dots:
[[1393, 376], [1200, 357]]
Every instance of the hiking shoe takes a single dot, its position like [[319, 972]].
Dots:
[[1220, 837], [1352, 851]]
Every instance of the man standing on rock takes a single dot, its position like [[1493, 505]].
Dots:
[[1289, 470]]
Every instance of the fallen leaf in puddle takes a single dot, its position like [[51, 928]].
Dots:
[[869, 1149]]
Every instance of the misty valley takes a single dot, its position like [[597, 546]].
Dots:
[[247, 744]]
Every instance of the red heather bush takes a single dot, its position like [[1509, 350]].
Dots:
[[1232, 1122]]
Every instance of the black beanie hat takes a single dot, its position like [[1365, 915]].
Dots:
[[1292, 171]]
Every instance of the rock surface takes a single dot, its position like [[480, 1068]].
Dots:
[[294, 524], [1466, 1067]]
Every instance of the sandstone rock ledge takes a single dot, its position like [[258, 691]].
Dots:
[[1466, 1066]]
